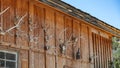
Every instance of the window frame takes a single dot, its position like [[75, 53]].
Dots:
[[11, 52]]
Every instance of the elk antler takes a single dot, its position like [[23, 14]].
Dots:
[[4, 10], [48, 36], [46, 29], [63, 44], [16, 26], [59, 37], [68, 41]]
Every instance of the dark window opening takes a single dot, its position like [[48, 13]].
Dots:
[[8, 59]]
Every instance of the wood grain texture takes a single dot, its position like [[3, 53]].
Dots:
[[101, 50], [92, 42], [68, 33], [7, 20]]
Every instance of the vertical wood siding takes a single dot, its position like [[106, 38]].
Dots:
[[93, 43], [101, 51]]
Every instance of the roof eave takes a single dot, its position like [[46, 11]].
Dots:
[[82, 15]]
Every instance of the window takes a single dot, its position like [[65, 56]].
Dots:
[[8, 59]]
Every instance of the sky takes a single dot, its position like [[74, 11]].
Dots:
[[105, 10]]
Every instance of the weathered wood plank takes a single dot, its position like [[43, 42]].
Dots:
[[61, 62], [76, 46], [50, 61], [106, 51], [36, 20], [84, 45], [68, 34], [36, 27], [22, 33], [76, 34], [100, 52], [90, 46], [93, 41], [59, 30], [23, 59], [49, 21], [59, 18], [7, 20], [24, 64]]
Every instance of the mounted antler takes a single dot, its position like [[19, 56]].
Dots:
[[63, 44], [73, 39], [46, 29], [3, 32], [4, 11]]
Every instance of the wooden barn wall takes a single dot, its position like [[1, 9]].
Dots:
[[30, 39], [13, 40]]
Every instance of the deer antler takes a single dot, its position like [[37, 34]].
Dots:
[[16, 26], [46, 28], [68, 41], [4, 10], [1, 28], [60, 40], [63, 44]]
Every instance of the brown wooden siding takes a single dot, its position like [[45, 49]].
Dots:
[[94, 44], [101, 51]]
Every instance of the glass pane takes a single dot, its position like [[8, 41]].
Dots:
[[2, 63], [2, 55], [10, 64], [10, 56]]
